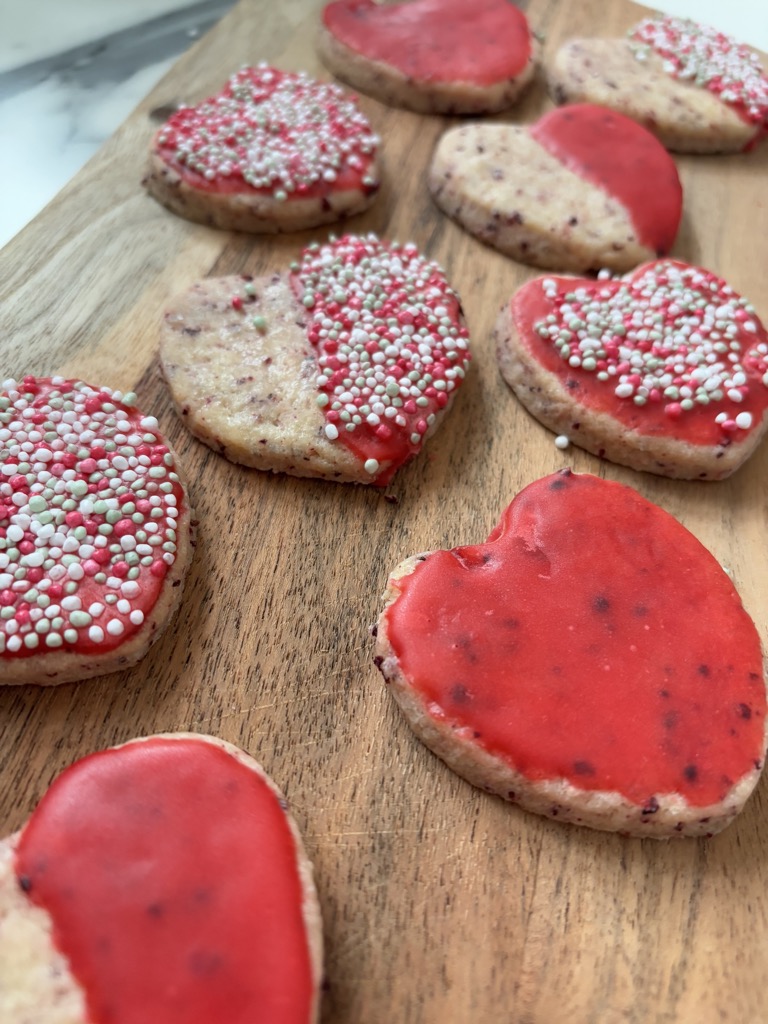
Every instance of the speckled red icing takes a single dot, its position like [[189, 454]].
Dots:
[[667, 349], [391, 345], [169, 871], [592, 639], [624, 160], [705, 57], [89, 503], [481, 43], [273, 132]]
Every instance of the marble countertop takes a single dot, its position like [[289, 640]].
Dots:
[[71, 74]]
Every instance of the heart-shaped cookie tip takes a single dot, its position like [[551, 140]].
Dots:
[[664, 370], [169, 875], [340, 370], [274, 151], [590, 661]]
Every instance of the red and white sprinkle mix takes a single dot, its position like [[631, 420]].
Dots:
[[389, 335], [702, 55], [672, 334], [276, 131], [89, 500]]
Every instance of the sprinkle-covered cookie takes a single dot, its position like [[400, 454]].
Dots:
[[163, 881], [664, 370], [274, 151], [581, 189], [698, 90], [95, 532], [340, 369], [432, 56], [591, 661]]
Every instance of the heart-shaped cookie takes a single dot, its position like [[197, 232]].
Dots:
[[696, 89], [591, 661], [95, 531], [340, 370], [433, 56], [581, 189], [159, 881], [664, 370], [274, 151]]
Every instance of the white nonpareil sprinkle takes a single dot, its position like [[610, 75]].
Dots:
[[700, 54], [562, 441]]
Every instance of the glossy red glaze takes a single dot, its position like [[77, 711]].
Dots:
[[169, 871], [591, 638], [625, 160], [482, 42], [696, 426]]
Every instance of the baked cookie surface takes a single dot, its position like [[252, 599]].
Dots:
[[339, 370], [591, 662], [696, 89], [581, 189], [95, 531], [162, 880], [274, 151], [664, 370], [431, 56]]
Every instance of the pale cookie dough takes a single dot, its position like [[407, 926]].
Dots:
[[127, 784], [697, 90], [96, 531], [431, 56], [501, 184], [303, 154], [255, 372]]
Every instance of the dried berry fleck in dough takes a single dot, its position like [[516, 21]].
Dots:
[[701, 55]]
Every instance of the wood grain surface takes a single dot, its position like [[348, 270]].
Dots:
[[440, 903]]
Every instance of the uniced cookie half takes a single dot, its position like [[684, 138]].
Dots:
[[663, 370], [697, 89], [581, 189], [164, 881], [274, 151], [431, 56], [95, 531], [340, 369], [591, 662]]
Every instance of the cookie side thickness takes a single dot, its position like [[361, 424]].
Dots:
[[453, 721], [548, 217], [430, 56], [96, 529], [217, 941], [705, 436], [341, 371], [684, 117], [274, 151]]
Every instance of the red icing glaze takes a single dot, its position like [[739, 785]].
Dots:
[[591, 638], [625, 160], [272, 133], [169, 871], [398, 353], [481, 43], [658, 415], [89, 499]]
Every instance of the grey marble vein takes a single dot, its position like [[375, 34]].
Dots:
[[117, 56]]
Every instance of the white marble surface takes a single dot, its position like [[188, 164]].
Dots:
[[62, 92]]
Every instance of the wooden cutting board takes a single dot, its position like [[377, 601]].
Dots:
[[440, 903]]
